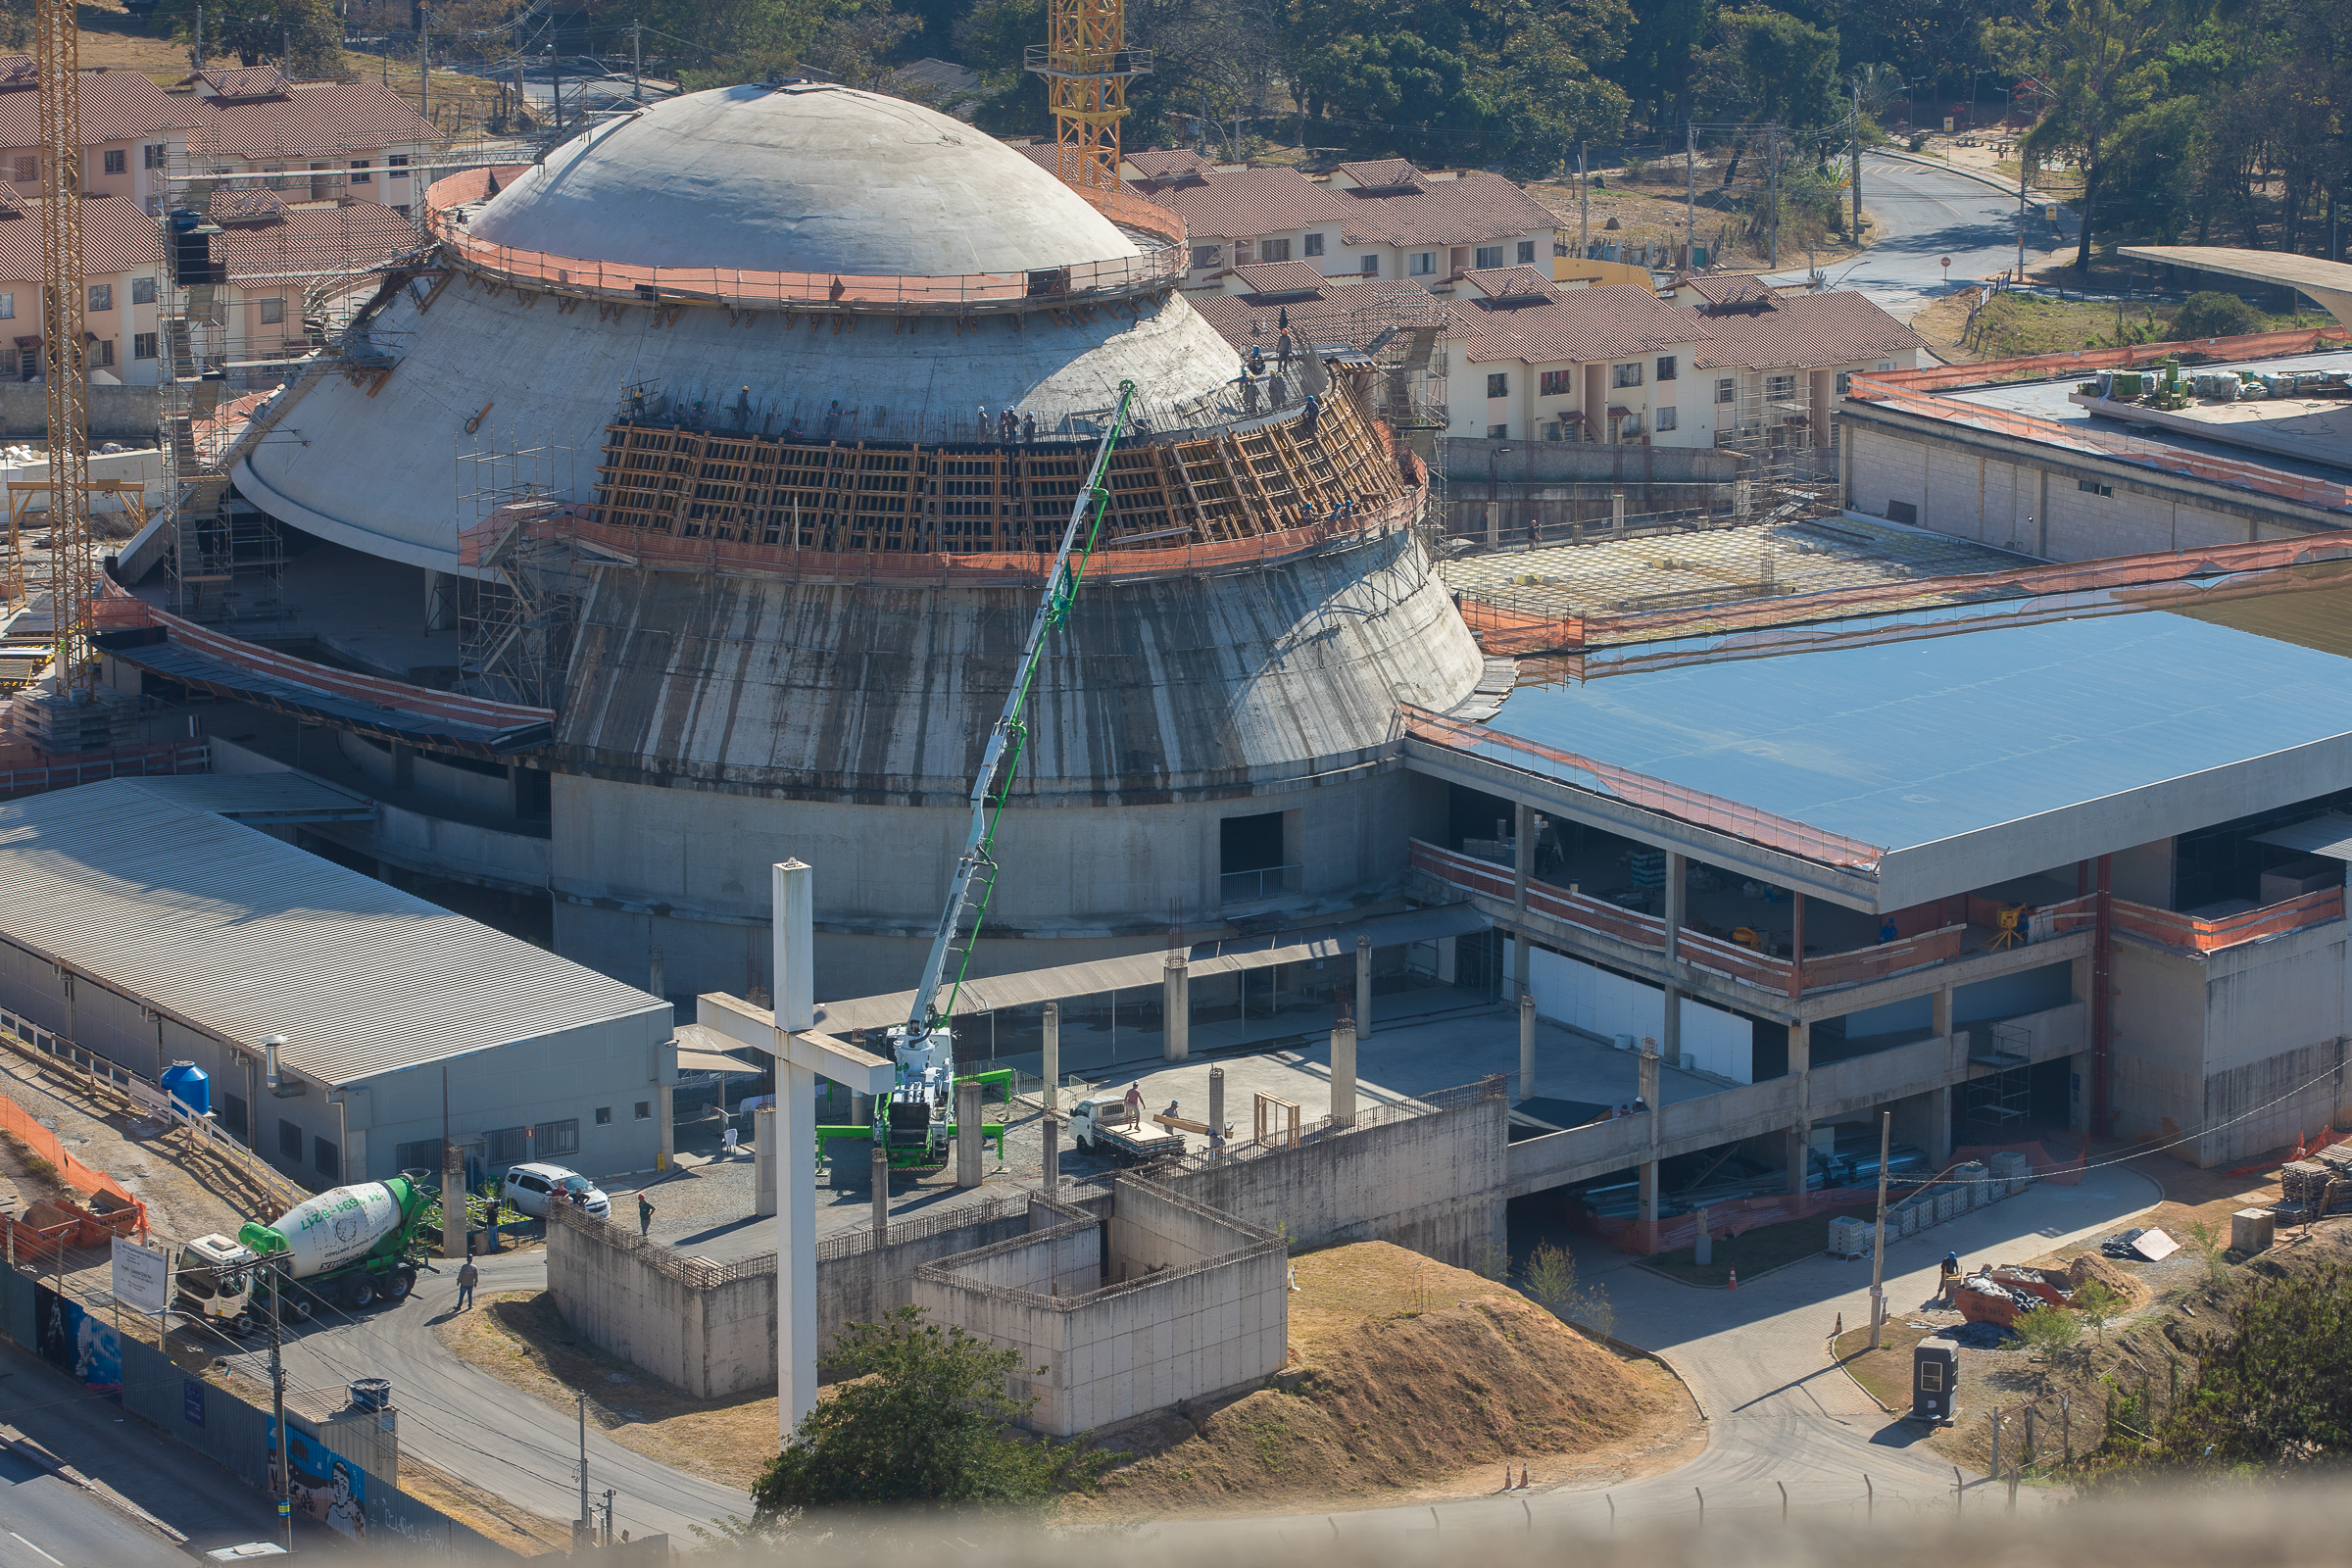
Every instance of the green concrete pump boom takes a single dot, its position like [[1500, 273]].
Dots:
[[976, 869]]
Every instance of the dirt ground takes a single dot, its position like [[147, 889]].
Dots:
[[519, 1338], [1409, 1381]]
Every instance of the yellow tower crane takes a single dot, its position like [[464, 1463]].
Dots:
[[64, 370], [1087, 64]]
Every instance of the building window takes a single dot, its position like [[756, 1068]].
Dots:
[[645, 1110], [151, 156], [102, 353], [1498, 432], [1845, 381], [1665, 419], [1208, 255], [326, 1158], [1274, 250], [117, 162], [399, 163], [8, 306], [1631, 427], [1498, 384], [1625, 375], [101, 296], [289, 1140], [1666, 368], [424, 1155], [1424, 263], [604, 1115], [358, 171], [1371, 266], [1490, 256], [505, 1145], [1780, 388], [142, 345], [1527, 250], [552, 1138], [2090, 489], [273, 310], [1726, 390], [142, 291], [1311, 245], [25, 171], [232, 1117], [1556, 383]]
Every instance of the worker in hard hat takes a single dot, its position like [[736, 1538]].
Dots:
[[1951, 1276]]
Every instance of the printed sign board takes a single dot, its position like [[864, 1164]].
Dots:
[[142, 1277]]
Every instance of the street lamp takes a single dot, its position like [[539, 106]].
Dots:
[[1492, 456]]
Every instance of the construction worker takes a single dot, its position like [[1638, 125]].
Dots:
[[1951, 1276]]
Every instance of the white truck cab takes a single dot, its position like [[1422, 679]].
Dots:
[[215, 1281]]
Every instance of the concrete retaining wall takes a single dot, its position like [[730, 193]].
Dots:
[[117, 412], [1586, 463]]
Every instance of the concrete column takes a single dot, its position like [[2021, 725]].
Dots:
[[1672, 1029], [1944, 1013], [1617, 510], [763, 1154], [1939, 1127], [1649, 1191], [1216, 1110], [1523, 856], [1446, 957], [1493, 525], [1342, 1075], [1648, 1080], [1052, 1066], [881, 1219], [1176, 1008], [657, 978], [1801, 1131], [1050, 1125], [1527, 1043], [666, 1112], [1678, 888], [796, 1243], [1363, 987], [453, 1181], [968, 1159]]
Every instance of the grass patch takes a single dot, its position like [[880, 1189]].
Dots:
[[1754, 1252], [1885, 1372], [2015, 325]]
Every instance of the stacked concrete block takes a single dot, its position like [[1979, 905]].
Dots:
[[1973, 1182], [2013, 1167]]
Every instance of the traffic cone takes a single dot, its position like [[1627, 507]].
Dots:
[[1734, 1285]]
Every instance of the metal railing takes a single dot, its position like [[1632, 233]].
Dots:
[[131, 762], [1266, 882]]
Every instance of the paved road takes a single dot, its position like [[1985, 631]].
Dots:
[[1925, 215]]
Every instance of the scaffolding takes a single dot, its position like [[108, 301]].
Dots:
[[516, 623]]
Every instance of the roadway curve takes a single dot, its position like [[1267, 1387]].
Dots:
[[1925, 213]]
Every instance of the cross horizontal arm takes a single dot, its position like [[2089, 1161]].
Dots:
[[756, 1027]]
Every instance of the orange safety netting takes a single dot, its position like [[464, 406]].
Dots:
[[2188, 931], [86, 1228]]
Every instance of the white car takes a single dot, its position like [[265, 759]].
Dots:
[[531, 1187]]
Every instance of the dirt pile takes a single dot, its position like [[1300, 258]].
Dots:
[[1404, 1372]]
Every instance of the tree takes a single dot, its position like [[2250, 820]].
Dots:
[[1791, 69], [2104, 61], [2097, 1305], [2275, 1391], [919, 1422], [305, 37], [1550, 1280], [2051, 1332]]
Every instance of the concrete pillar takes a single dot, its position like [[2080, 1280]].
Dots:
[[1801, 1131], [1647, 1087], [1704, 1251], [1493, 525], [1050, 1068], [1342, 1075], [452, 1184], [1445, 957], [1617, 510], [1049, 1126], [792, 894], [1176, 1008], [881, 1217], [1648, 1079], [1216, 1110], [1939, 1127], [1363, 987], [1944, 1013], [1678, 888], [1671, 1029], [968, 1134], [1527, 1043], [657, 977], [666, 1112], [1523, 856], [763, 1154], [1649, 1191]]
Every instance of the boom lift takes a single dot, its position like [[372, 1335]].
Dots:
[[914, 1123]]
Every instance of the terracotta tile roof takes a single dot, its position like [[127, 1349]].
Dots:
[[1725, 290], [116, 237], [232, 205], [1507, 284], [1581, 326], [1462, 211], [315, 120], [1245, 203], [257, 81], [1343, 314], [1803, 331], [116, 105], [1278, 277], [1153, 162], [343, 238], [1384, 172]]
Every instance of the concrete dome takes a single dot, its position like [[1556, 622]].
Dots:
[[798, 179]]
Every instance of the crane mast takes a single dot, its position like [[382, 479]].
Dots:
[[922, 1046], [58, 58]]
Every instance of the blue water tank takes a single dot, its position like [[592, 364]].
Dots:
[[188, 1081]]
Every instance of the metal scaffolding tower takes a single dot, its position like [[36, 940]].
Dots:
[[1087, 64], [72, 667]]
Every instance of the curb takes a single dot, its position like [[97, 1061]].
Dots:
[[1629, 1349], [1917, 162]]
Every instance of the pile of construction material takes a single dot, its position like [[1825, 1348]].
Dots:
[[2317, 1186], [1969, 1185]]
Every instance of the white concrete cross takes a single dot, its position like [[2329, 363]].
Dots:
[[788, 1034]]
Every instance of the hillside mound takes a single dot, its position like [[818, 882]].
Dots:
[[1404, 1371]]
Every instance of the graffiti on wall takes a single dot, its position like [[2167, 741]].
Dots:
[[327, 1487], [77, 1341]]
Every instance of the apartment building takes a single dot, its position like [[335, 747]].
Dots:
[[1542, 362], [122, 262], [314, 140], [128, 128], [1777, 361], [277, 262]]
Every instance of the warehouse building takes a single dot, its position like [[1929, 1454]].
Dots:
[[140, 922]]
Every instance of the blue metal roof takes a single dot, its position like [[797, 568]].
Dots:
[[1910, 743]]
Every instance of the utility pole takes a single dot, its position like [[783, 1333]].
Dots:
[[2020, 212], [196, 55], [1878, 1241], [284, 1489], [636, 62], [1690, 197], [424, 63], [608, 1517], [1772, 162], [587, 1519], [1857, 150], [1584, 206]]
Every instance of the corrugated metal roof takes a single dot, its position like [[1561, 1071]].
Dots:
[[2328, 836], [243, 936], [1027, 989], [1907, 743]]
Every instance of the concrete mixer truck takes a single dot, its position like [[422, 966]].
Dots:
[[351, 1245]]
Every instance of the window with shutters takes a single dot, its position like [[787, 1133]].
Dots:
[[1557, 383], [1498, 384]]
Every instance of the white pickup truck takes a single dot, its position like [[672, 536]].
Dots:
[[1101, 1122]]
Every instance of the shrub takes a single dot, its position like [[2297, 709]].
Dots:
[[2216, 315]]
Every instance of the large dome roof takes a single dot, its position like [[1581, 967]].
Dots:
[[798, 179]]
